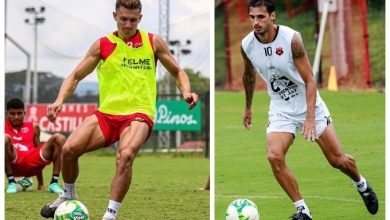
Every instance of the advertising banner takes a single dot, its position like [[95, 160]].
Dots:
[[174, 115], [68, 119]]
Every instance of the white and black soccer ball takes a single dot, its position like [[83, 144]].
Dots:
[[24, 183], [242, 209], [71, 209]]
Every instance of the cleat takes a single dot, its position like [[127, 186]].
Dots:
[[12, 188], [55, 188], [370, 199], [299, 215], [48, 210]]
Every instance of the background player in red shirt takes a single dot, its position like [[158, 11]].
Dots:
[[24, 154]]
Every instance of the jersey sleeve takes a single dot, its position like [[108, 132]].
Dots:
[[106, 47]]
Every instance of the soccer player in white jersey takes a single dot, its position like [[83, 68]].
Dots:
[[276, 52]]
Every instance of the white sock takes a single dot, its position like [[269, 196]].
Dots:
[[300, 205], [361, 185], [112, 209], [70, 190]]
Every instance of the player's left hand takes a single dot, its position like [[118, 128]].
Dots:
[[309, 130], [191, 99], [247, 118]]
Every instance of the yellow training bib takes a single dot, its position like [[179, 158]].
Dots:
[[127, 79]]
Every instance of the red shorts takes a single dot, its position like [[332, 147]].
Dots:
[[113, 125], [29, 164]]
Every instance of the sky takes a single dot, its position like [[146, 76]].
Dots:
[[71, 27]]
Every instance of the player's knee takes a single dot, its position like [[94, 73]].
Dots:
[[69, 152], [338, 162], [126, 157], [275, 159], [59, 139]]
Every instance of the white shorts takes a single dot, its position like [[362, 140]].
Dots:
[[282, 122]]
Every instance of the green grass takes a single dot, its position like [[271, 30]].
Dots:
[[242, 169], [162, 188], [376, 30]]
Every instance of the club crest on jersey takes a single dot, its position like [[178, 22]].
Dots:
[[24, 130], [279, 51], [135, 45]]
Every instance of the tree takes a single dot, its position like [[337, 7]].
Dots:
[[199, 83], [49, 86]]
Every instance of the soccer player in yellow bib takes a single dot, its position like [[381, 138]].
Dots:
[[126, 66]]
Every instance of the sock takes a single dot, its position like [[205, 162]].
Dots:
[[361, 185], [112, 208], [11, 178], [54, 179], [70, 190], [301, 206]]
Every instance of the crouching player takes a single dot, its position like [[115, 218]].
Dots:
[[24, 154]]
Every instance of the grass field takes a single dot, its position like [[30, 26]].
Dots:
[[242, 169], [163, 187]]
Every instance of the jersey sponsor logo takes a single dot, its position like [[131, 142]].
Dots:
[[279, 51], [17, 138], [137, 64], [20, 147], [283, 86]]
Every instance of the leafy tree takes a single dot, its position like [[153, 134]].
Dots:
[[199, 83], [48, 88]]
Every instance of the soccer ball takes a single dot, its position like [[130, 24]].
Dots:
[[242, 209], [71, 210], [24, 183]]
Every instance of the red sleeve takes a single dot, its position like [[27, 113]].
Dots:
[[106, 47]]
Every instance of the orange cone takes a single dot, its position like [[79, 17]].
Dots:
[[332, 81]]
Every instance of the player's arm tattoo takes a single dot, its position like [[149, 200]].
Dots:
[[297, 48], [248, 79]]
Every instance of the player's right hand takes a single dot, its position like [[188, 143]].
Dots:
[[53, 110], [247, 118], [191, 99]]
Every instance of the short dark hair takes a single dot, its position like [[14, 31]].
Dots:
[[269, 4], [15, 103], [129, 4]]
